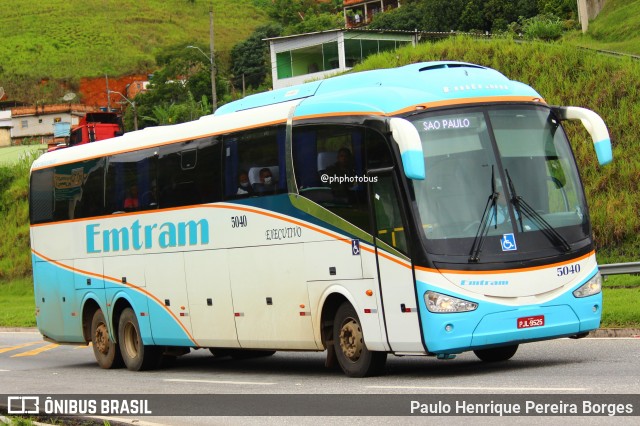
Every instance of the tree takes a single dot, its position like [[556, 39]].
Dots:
[[251, 57], [170, 98], [472, 17]]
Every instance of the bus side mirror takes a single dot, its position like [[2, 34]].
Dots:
[[596, 128], [408, 139]]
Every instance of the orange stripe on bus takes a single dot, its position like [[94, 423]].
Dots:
[[505, 271]]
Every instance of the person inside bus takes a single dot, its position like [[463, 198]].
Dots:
[[266, 184], [131, 202], [343, 175], [244, 185]]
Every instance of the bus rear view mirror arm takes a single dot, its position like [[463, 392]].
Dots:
[[408, 139], [594, 125]]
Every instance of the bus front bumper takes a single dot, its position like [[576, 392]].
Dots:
[[493, 324]]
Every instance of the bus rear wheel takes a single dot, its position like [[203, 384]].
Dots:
[[351, 352], [136, 356], [106, 351], [502, 353]]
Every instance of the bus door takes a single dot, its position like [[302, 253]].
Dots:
[[394, 266]]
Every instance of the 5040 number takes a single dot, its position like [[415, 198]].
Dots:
[[239, 221], [568, 270]]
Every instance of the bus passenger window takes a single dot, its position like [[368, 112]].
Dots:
[[41, 196], [254, 163], [189, 173], [131, 181]]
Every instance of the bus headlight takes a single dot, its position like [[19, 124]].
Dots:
[[441, 303], [591, 287]]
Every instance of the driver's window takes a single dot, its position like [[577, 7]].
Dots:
[[389, 226]]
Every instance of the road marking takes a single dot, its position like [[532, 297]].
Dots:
[[13, 348], [219, 382], [36, 351], [478, 388], [4, 370]]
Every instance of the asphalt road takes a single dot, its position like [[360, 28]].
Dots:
[[589, 366]]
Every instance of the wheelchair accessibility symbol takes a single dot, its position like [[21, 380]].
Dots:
[[508, 242], [355, 247]]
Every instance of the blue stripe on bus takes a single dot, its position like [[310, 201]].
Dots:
[[495, 324], [52, 282]]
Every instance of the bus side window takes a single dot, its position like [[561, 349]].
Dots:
[[130, 177], [329, 166], [41, 196], [189, 173], [254, 163], [67, 188]]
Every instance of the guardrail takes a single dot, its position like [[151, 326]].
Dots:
[[620, 268]]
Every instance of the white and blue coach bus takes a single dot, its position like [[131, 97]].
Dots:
[[430, 209]]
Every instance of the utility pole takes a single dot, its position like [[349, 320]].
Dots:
[[106, 77], [214, 99]]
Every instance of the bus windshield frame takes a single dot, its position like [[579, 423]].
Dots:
[[484, 164]]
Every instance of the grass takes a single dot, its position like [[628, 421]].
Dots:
[[73, 39], [620, 307], [616, 28], [17, 305], [12, 154], [15, 260]]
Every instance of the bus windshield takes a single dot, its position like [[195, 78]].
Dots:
[[496, 171]]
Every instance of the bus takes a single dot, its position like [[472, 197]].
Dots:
[[425, 210]]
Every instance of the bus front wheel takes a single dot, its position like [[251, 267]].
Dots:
[[502, 353], [351, 352], [105, 350], [136, 356]]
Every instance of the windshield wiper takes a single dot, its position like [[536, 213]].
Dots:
[[490, 209], [523, 207]]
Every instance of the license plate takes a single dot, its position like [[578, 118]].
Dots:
[[528, 322]]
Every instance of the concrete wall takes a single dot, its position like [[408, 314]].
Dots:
[[588, 10]]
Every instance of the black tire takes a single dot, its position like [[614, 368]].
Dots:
[[351, 351], [136, 356], [105, 350], [501, 353]]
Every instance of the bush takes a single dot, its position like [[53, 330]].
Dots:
[[543, 27]]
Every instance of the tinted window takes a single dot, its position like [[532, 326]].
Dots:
[[90, 201], [131, 181], [189, 173], [255, 163], [41, 196]]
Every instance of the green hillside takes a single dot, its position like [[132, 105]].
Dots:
[[616, 28], [64, 39]]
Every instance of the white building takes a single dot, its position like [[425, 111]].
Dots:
[[306, 57], [5, 128], [38, 122]]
